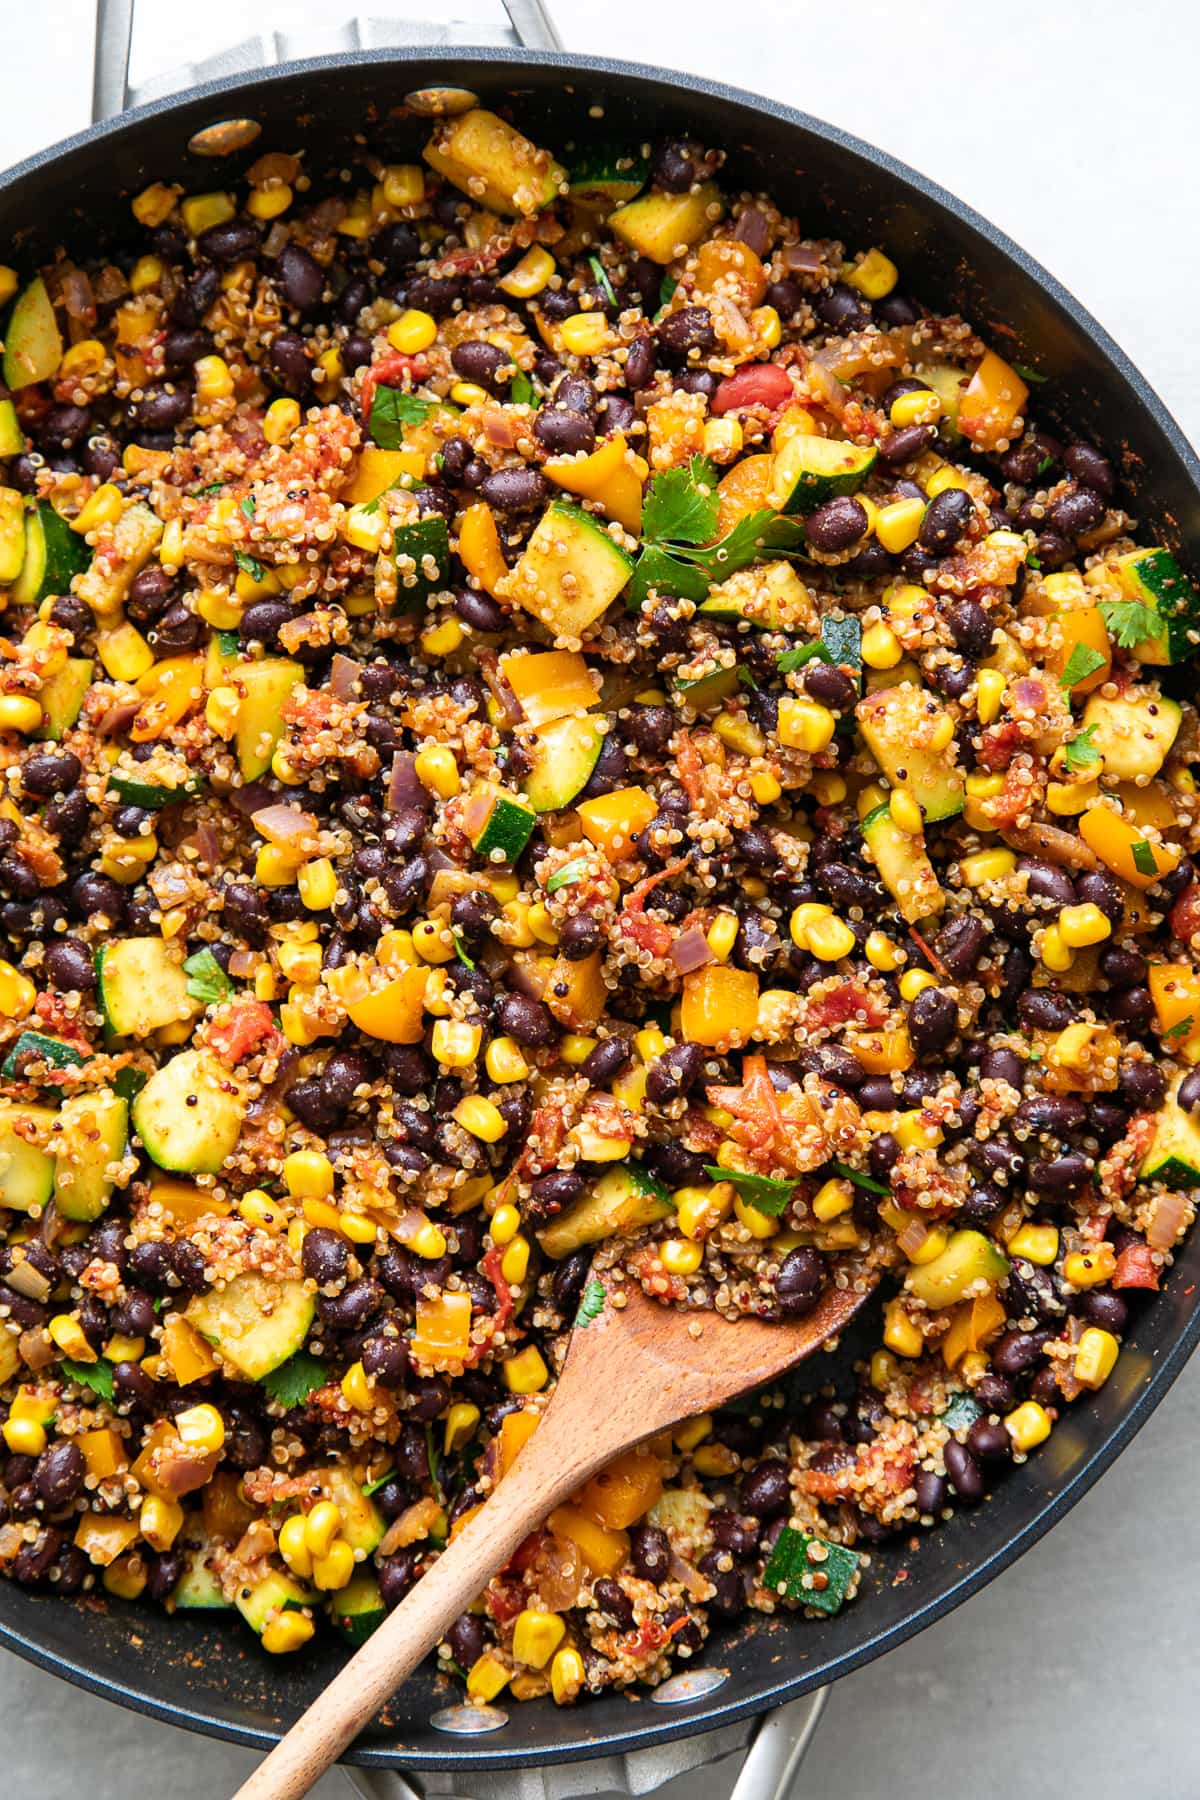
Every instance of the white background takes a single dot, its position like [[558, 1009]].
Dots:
[[1074, 128]]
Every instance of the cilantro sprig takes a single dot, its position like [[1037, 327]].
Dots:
[[1143, 857], [1130, 622], [763, 1192], [391, 410], [293, 1381], [679, 519], [96, 1377], [249, 565], [1080, 752], [206, 979], [591, 1304], [1082, 662]]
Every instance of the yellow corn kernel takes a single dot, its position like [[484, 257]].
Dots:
[[308, 1175], [201, 1428], [914, 982], [1055, 954], [765, 787], [989, 694], [126, 1577], [317, 883], [437, 770], [485, 1679], [301, 963], [805, 725], [356, 1388], [24, 1437], [481, 1117], [517, 933], [357, 1227], [456, 1043], [83, 359], [1067, 798], [469, 393], [160, 1521], [265, 985], [541, 924], [322, 1213], [1095, 1357], [322, 1527], [514, 1264], [832, 1199], [758, 1224], [443, 639], [153, 205], [985, 866], [202, 211], [884, 1369], [714, 1460], [530, 275], [1083, 925], [905, 812], [585, 334], [282, 418], [808, 913], [723, 439], [721, 935], [17, 993], [125, 1349], [536, 1636], [830, 939], [899, 1332], [881, 648], [526, 1372], [740, 733], [286, 1631], [680, 1256], [1028, 1425], [941, 734], [259, 1209], [68, 1334], [213, 380], [461, 1421], [935, 1242], [505, 1061], [412, 332], [293, 1545], [429, 1242], [875, 276], [921, 407], [897, 526], [650, 1043], [1088, 1268], [269, 202], [506, 1222], [693, 1431], [566, 1676], [19, 713], [221, 711], [943, 478], [1036, 1243], [146, 272], [881, 953], [432, 943]]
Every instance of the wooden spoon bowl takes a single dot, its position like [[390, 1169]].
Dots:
[[631, 1371]]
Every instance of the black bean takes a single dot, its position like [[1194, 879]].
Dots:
[[396, 1575], [674, 1074], [971, 628], [70, 967], [290, 361], [834, 1064], [830, 685], [59, 1474], [676, 1165], [764, 1490], [610, 770], [842, 309], [408, 1069], [344, 1073], [728, 1598], [998, 1158], [606, 1061], [580, 937], [1015, 1352], [903, 445], [650, 1552], [466, 1639], [50, 772], [228, 242], [192, 302], [481, 362], [1052, 1115], [132, 1384], [686, 331], [300, 278], [837, 524], [1044, 1009], [514, 490], [1189, 1092], [563, 433], [1090, 468], [989, 1441], [848, 887], [1101, 890], [676, 164], [159, 409], [864, 565], [1046, 881], [882, 1155], [550, 1193], [799, 1281], [1141, 1085], [357, 293], [960, 944], [696, 381], [755, 846], [932, 1491], [1132, 1007], [932, 1021], [569, 1278], [325, 1256], [640, 363], [1122, 966], [399, 245], [1077, 513], [1061, 1174], [946, 520], [62, 426], [350, 1310], [612, 1599], [385, 1360], [1108, 1311], [577, 394], [966, 1477], [429, 1398], [527, 1020]]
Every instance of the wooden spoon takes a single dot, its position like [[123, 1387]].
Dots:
[[630, 1372]]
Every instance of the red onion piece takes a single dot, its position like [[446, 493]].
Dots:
[[499, 431], [690, 951], [285, 826], [1168, 1221], [913, 1236], [801, 256], [118, 718], [753, 230], [405, 789], [343, 677]]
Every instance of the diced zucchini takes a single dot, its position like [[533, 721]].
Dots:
[[357, 1609], [620, 1203], [12, 534], [1174, 1154], [265, 686], [903, 865], [797, 1561], [189, 1114], [494, 164], [53, 556], [12, 438], [949, 383], [708, 690], [565, 753], [968, 1257], [897, 723], [198, 1589], [1154, 578], [421, 557], [62, 697], [808, 471], [26, 1169], [607, 174], [135, 791], [683, 1514], [1134, 732], [254, 1323], [142, 987], [275, 1593], [664, 227], [105, 585], [770, 595], [33, 345], [94, 1132], [506, 828], [36, 1046], [570, 571], [363, 1524]]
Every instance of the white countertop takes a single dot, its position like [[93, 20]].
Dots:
[[1074, 129]]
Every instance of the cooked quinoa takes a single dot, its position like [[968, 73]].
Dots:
[[545, 714]]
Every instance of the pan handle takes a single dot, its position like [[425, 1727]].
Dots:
[[528, 24]]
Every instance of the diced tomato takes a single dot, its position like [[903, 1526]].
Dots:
[[844, 1003], [758, 384], [527, 1552], [391, 371], [690, 766], [504, 1600], [1185, 914], [242, 1028], [504, 1301], [754, 1105], [1136, 1268]]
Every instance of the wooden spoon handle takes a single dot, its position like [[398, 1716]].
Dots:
[[551, 1464]]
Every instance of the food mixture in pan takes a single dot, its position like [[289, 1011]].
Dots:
[[548, 712]]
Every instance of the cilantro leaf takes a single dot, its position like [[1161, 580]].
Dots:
[[249, 565], [666, 290], [293, 1381], [1080, 752], [681, 505], [592, 1303], [214, 487], [1032, 561], [1045, 466], [1130, 621], [567, 876], [1082, 662], [1143, 857], [521, 389], [602, 282], [859, 1179], [1028, 374], [373, 1487], [746, 678], [657, 568], [1180, 1030], [762, 1192], [391, 410], [249, 506], [96, 1377], [798, 658], [206, 979], [459, 950]]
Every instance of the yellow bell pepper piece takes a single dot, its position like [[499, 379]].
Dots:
[[609, 476], [720, 1004]]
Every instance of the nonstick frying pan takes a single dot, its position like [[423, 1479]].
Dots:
[[208, 1675]]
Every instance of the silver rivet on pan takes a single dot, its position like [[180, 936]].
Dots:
[[438, 102], [467, 1721], [693, 1684], [224, 138]]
